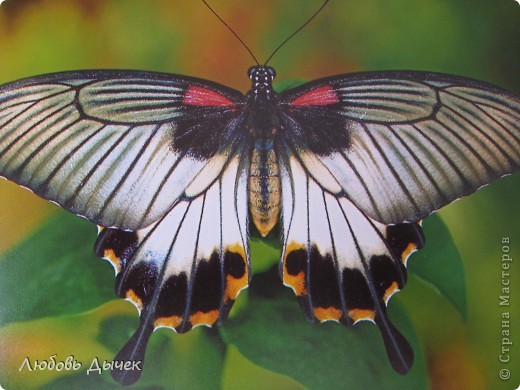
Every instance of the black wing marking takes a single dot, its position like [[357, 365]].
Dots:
[[186, 269], [117, 147], [342, 265], [401, 145]]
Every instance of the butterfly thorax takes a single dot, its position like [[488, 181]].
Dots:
[[264, 175]]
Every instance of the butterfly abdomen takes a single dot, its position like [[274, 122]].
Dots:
[[264, 187]]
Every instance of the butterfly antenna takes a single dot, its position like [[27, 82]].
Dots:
[[297, 31], [232, 31]]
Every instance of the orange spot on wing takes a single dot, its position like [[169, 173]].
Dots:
[[235, 285], [296, 282], [171, 322], [328, 313], [390, 291], [133, 297], [361, 314], [408, 251], [202, 318], [111, 256]]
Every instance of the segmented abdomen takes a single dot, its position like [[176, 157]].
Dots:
[[264, 188]]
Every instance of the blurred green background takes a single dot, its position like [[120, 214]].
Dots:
[[478, 39]]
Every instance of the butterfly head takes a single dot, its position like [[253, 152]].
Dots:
[[262, 78]]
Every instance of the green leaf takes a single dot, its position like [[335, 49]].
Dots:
[[54, 272], [263, 254], [173, 361], [193, 360], [82, 381], [440, 265], [273, 334]]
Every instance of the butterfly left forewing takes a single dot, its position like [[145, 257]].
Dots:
[[117, 147], [342, 265], [186, 269]]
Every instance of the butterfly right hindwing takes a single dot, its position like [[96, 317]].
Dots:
[[342, 265]]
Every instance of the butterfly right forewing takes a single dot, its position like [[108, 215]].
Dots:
[[403, 144]]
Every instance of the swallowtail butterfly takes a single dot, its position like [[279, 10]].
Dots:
[[174, 168]]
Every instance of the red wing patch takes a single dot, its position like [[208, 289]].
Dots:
[[203, 97], [322, 96]]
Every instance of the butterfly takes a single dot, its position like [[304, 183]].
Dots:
[[174, 169]]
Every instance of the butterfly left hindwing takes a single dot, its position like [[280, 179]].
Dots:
[[186, 269]]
